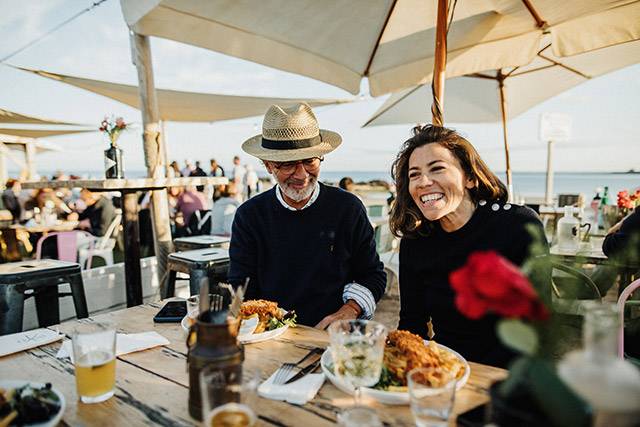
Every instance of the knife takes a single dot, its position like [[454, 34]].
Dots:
[[304, 371]]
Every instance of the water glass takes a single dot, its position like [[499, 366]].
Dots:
[[94, 355], [432, 392], [357, 347], [359, 416]]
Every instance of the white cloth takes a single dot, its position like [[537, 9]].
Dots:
[[125, 343], [298, 392], [21, 341]]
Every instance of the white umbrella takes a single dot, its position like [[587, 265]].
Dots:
[[480, 97], [389, 41]]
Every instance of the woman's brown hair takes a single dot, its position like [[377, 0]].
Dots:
[[406, 220]]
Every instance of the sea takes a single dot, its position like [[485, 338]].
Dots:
[[525, 184]]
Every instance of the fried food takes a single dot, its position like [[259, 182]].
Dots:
[[265, 310], [405, 351]]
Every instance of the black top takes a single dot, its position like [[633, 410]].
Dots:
[[101, 214], [625, 243], [425, 265], [303, 259], [12, 204]]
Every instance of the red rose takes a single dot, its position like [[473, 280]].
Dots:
[[490, 283]]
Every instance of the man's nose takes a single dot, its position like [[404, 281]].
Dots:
[[300, 171]]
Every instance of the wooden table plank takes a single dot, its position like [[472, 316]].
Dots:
[[152, 385]]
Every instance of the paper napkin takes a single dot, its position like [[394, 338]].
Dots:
[[125, 343], [14, 343], [298, 392]]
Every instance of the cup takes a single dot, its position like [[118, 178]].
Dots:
[[94, 355], [432, 393], [359, 416]]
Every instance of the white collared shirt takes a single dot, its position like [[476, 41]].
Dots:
[[354, 291]]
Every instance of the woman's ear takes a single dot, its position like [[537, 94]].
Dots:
[[471, 183]]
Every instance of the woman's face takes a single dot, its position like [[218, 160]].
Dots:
[[437, 183]]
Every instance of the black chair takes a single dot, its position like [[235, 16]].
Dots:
[[40, 279], [212, 263], [199, 223], [200, 242]]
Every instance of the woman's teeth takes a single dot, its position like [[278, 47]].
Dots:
[[431, 197]]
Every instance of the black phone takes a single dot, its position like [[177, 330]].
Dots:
[[172, 312]]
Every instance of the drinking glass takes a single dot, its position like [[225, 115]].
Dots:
[[94, 355], [359, 416], [432, 393], [226, 395], [357, 347]]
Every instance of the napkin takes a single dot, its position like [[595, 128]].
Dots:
[[125, 343], [298, 392], [14, 343]]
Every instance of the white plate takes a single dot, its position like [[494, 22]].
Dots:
[[247, 338], [9, 384], [388, 397]]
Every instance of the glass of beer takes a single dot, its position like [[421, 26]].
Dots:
[[94, 355]]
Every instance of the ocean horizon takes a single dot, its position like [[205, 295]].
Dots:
[[525, 184]]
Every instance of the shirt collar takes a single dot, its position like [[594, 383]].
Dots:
[[314, 196]]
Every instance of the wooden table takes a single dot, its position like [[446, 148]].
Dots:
[[587, 253], [129, 189], [44, 228], [152, 385]]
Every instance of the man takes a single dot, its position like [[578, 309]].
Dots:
[[198, 171], [217, 171], [308, 246], [188, 168], [237, 177], [98, 215]]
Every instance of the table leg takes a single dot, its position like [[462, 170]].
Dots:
[[11, 308], [133, 276]]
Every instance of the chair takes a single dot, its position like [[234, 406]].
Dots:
[[199, 223], [67, 245], [40, 279], [101, 246], [576, 200], [198, 264], [622, 300]]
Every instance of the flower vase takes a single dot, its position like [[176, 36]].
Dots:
[[113, 164]]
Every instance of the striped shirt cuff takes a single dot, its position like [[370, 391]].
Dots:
[[362, 296]]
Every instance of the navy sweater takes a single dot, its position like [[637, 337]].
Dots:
[[425, 265], [303, 259]]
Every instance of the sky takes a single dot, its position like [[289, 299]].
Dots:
[[605, 111]]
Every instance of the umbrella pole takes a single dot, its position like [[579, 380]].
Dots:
[[153, 152], [503, 109], [439, 64]]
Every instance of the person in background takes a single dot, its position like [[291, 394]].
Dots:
[[347, 184], [623, 239], [237, 177], [251, 181], [216, 171], [41, 197], [98, 215], [189, 201], [10, 199], [198, 171], [174, 170], [188, 168], [450, 205], [308, 246], [224, 210]]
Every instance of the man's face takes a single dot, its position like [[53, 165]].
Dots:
[[296, 179]]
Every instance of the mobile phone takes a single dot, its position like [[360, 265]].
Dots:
[[172, 312]]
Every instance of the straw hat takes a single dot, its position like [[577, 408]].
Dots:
[[290, 134]]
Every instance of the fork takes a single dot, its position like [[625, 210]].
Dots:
[[283, 372]]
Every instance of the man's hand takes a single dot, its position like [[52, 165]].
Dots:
[[347, 312]]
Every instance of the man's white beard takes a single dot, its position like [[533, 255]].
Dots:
[[298, 195]]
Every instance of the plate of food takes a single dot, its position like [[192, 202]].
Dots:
[[403, 352], [30, 404], [261, 320]]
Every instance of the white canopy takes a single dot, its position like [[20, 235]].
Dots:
[[389, 41], [475, 99], [7, 116], [181, 106], [40, 133]]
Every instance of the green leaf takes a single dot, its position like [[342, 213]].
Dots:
[[518, 335]]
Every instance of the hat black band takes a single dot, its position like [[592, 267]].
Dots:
[[291, 144]]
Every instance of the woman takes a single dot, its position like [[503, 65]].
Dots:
[[449, 205]]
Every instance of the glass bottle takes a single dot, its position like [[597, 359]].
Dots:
[[610, 384], [568, 230], [113, 164], [595, 208]]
